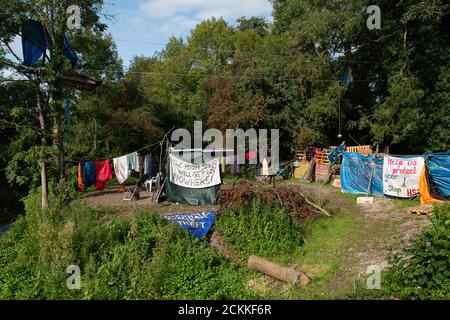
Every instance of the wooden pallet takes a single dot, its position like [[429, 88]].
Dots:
[[322, 157], [364, 150], [322, 172], [423, 209]]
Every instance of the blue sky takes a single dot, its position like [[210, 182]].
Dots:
[[142, 27]]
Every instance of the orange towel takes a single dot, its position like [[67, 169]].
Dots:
[[80, 178]]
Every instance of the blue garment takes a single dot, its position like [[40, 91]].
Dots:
[[133, 161], [148, 165], [438, 174], [356, 171], [88, 173], [197, 224], [33, 41]]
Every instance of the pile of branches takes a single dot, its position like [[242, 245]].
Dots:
[[288, 197]]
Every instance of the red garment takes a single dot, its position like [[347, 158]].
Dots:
[[103, 173]]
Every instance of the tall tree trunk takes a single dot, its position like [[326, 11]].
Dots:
[[44, 182]]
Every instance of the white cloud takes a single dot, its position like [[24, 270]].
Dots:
[[204, 9]]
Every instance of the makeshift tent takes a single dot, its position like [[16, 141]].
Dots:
[[438, 175], [425, 196], [356, 172], [191, 196]]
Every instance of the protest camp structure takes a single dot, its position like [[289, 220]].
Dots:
[[189, 179]]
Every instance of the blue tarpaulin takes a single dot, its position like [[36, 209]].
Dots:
[[333, 156], [356, 171], [35, 42], [197, 224], [438, 174]]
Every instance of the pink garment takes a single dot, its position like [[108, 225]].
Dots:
[[103, 173]]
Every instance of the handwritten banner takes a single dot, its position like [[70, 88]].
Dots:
[[195, 176], [197, 224], [401, 176]]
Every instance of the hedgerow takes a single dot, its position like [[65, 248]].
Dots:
[[421, 270]]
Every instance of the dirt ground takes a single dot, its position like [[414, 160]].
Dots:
[[112, 198], [378, 225]]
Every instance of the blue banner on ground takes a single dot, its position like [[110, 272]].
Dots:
[[438, 170], [355, 174], [198, 224]]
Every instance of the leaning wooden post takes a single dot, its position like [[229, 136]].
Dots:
[[276, 271]]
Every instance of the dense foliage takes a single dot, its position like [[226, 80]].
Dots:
[[422, 269], [260, 230], [142, 258]]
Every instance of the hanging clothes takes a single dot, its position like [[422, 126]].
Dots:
[[86, 175], [133, 161], [148, 165], [121, 168], [103, 174], [80, 178]]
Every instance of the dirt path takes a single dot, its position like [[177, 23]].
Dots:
[[340, 251]]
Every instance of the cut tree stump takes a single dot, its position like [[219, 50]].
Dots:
[[278, 272]]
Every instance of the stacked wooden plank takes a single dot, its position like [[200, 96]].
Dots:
[[322, 166]]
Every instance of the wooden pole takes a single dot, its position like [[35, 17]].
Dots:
[[276, 271]]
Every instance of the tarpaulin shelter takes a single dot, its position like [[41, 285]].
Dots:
[[425, 196], [183, 195], [356, 173], [438, 175]]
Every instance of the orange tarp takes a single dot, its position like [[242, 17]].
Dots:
[[425, 196]]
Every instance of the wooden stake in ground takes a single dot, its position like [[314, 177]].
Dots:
[[276, 271]]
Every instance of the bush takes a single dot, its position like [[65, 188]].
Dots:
[[260, 230], [422, 269], [142, 258]]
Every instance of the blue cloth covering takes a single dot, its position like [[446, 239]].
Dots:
[[438, 174], [35, 42], [355, 174]]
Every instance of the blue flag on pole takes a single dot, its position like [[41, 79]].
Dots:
[[197, 224]]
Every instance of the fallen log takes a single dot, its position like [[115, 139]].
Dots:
[[278, 272]]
